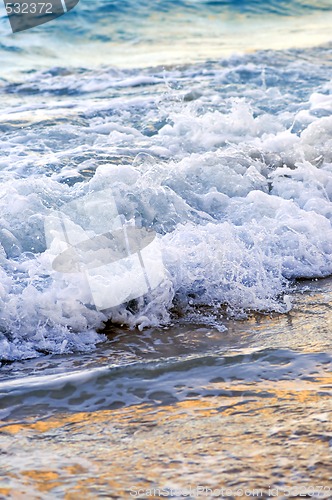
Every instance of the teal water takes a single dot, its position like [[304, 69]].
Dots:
[[211, 124]]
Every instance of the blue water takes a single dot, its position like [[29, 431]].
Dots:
[[211, 122], [157, 32]]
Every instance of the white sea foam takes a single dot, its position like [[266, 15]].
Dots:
[[234, 176]]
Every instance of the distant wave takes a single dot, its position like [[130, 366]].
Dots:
[[142, 9], [163, 23], [282, 7]]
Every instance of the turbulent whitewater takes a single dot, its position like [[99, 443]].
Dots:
[[228, 160]]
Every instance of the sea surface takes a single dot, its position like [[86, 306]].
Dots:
[[211, 122]]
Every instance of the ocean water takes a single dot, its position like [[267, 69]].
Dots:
[[211, 121]]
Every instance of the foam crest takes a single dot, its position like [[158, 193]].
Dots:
[[229, 163]]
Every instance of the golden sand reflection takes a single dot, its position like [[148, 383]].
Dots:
[[254, 438]]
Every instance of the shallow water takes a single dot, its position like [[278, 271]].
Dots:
[[245, 409], [211, 123]]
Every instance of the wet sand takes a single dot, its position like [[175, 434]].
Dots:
[[272, 436]]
